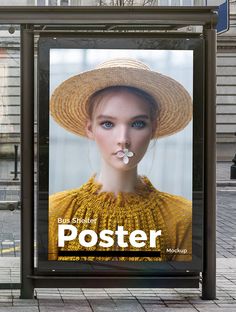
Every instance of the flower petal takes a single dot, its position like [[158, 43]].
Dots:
[[126, 160], [130, 154]]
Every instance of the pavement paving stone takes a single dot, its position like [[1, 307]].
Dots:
[[230, 300], [53, 296], [129, 305], [81, 302], [20, 309], [25, 302], [143, 297], [75, 290], [122, 297], [174, 301], [73, 295], [227, 305], [164, 290], [94, 297], [98, 301], [70, 297], [50, 302], [156, 308], [116, 289], [125, 294], [63, 309], [50, 291], [207, 309], [147, 293], [99, 292], [199, 300], [169, 298], [101, 305], [98, 298], [49, 297], [179, 305], [119, 293], [206, 304], [72, 292], [152, 301]]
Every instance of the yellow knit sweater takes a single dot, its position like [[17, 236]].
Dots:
[[146, 209]]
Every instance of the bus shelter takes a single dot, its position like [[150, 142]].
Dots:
[[147, 28]]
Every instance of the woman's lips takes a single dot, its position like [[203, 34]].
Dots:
[[118, 153]]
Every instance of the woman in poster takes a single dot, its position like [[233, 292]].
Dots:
[[122, 105]]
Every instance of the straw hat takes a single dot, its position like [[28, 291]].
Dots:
[[69, 100]]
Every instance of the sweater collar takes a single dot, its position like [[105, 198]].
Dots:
[[143, 191]]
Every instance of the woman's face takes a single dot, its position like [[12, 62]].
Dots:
[[121, 120]]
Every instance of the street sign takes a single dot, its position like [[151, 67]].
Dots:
[[223, 17]]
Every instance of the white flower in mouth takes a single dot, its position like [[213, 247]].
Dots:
[[125, 154]]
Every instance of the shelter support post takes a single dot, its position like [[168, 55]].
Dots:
[[209, 265], [27, 161]]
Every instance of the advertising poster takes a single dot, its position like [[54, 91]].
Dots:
[[120, 155]]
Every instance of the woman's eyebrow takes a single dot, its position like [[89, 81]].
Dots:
[[113, 118], [141, 116], [105, 117]]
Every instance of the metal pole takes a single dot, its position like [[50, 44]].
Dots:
[[16, 163], [209, 265], [27, 161]]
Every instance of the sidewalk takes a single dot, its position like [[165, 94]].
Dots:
[[122, 299]]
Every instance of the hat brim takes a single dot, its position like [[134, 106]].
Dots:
[[69, 101]]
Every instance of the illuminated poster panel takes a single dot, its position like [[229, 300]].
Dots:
[[120, 156]]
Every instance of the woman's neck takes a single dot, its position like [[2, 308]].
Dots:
[[116, 181]]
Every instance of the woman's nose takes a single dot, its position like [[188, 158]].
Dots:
[[123, 138]]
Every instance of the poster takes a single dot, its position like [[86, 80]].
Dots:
[[120, 182]]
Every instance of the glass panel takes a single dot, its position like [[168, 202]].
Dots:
[[10, 151], [68, 66]]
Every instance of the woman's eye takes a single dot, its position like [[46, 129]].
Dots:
[[138, 124], [107, 124]]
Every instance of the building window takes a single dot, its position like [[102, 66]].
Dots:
[[52, 2]]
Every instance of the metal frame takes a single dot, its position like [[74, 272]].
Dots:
[[209, 271], [27, 160], [36, 19], [109, 16]]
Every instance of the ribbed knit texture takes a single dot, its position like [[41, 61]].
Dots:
[[146, 209]]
